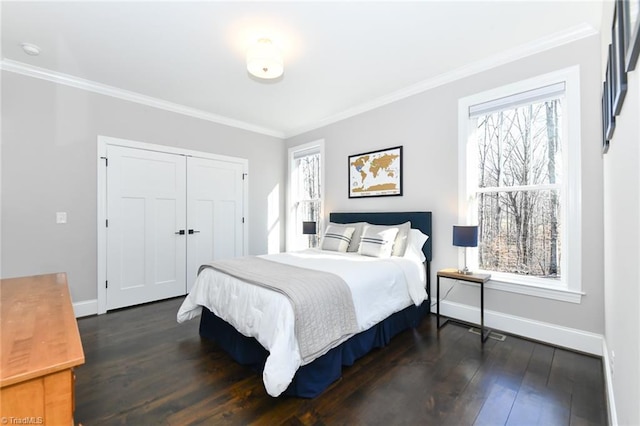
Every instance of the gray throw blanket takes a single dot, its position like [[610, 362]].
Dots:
[[322, 304]]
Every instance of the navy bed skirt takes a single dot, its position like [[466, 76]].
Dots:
[[311, 379]]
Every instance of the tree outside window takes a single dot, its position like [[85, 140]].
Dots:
[[306, 190], [518, 193]]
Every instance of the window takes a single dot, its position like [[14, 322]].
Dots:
[[519, 187], [305, 193]]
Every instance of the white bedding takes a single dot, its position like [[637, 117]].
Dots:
[[380, 287]]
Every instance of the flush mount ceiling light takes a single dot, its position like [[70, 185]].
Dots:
[[30, 49], [264, 60]]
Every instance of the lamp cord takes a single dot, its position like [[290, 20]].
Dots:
[[446, 294]]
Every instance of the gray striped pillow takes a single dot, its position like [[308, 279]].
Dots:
[[377, 240], [337, 238]]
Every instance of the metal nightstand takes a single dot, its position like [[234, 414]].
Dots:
[[472, 278]]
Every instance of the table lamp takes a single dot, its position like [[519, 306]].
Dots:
[[465, 236], [309, 228]]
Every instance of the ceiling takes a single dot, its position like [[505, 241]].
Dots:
[[340, 58]]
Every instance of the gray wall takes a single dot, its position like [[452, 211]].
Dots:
[[622, 249], [426, 125], [49, 149], [622, 255]]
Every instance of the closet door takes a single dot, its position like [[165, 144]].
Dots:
[[214, 212], [146, 197]]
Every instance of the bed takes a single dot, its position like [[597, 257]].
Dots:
[[244, 319]]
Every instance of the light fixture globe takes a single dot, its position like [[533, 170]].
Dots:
[[264, 60]]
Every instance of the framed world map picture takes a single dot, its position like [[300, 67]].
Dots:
[[376, 173]]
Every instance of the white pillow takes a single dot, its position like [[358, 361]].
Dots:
[[357, 233], [415, 242], [400, 245], [377, 240], [337, 237]]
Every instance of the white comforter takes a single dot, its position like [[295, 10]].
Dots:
[[380, 287]]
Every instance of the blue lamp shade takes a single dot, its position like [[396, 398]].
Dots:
[[308, 228], [465, 236]]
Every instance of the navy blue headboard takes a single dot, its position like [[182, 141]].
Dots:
[[419, 220]]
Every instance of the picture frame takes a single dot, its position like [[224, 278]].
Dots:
[[375, 173], [610, 117], [630, 11], [617, 58], [605, 119]]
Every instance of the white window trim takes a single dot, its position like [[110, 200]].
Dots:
[[571, 290], [291, 225]]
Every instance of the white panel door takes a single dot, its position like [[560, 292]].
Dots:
[[146, 198], [214, 212]]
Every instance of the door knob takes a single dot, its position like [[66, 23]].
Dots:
[[191, 231], [180, 232]]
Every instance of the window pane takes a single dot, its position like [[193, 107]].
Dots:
[[306, 198], [519, 232], [520, 146], [307, 211], [308, 177]]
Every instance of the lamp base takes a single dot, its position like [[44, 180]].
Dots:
[[465, 270]]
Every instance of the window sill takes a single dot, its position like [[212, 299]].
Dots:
[[529, 287]]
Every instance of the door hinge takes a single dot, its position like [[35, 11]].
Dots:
[[243, 220], [106, 223], [106, 284], [106, 161], [244, 175]]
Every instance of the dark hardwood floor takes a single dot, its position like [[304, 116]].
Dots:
[[142, 368]]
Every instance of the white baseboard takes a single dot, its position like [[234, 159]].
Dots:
[[566, 337], [85, 308], [608, 382]]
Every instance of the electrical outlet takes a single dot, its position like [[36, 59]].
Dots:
[[61, 217], [612, 362]]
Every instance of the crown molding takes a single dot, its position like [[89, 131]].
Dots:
[[554, 40], [528, 49], [115, 92]]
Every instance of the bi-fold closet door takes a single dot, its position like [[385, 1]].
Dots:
[[215, 220], [167, 214]]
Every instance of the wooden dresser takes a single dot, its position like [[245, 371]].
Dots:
[[40, 347]]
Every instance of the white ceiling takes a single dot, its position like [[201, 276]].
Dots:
[[340, 57]]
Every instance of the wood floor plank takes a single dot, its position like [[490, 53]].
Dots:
[[536, 403], [470, 403], [143, 368]]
